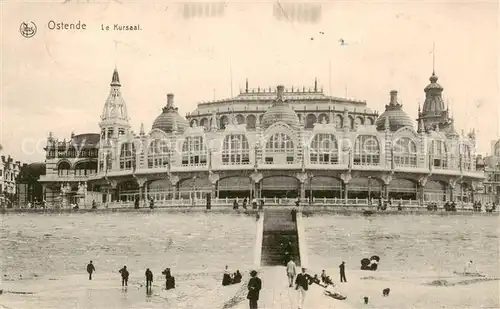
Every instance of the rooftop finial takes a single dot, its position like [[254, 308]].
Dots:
[[246, 86], [115, 80], [280, 91], [433, 58], [142, 129], [170, 100], [315, 84]]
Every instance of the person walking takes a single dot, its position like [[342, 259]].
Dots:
[[90, 269], [125, 274], [302, 285], [254, 286], [149, 279], [342, 272], [291, 272]]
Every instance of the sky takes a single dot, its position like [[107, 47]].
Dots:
[[58, 81]]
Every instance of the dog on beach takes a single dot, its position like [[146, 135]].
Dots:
[[385, 292]]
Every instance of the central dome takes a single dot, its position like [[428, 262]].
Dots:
[[280, 111], [170, 116], [395, 114]]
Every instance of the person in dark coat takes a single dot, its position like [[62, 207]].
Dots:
[[136, 203], [169, 279], [237, 277], [125, 274], [342, 272], [90, 269], [149, 278], [302, 283], [254, 286], [226, 278]]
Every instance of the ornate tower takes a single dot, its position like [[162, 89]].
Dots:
[[433, 113], [114, 118]]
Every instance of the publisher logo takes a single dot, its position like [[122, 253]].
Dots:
[[27, 29]]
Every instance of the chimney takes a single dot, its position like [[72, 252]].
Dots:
[[170, 100], [280, 91], [394, 97]]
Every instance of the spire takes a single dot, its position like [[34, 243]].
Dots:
[[433, 59], [142, 129], [246, 86], [115, 80], [315, 84], [421, 128]]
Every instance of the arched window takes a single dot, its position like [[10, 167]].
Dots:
[[366, 150], [280, 143], [235, 150], [405, 152], [204, 123], [439, 154], [127, 156], [194, 151], [84, 168], [251, 122], [310, 121], [358, 122], [338, 121], [465, 155], [63, 168], [324, 149], [240, 119], [159, 154], [223, 122]]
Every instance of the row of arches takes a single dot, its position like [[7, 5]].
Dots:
[[309, 120], [281, 148], [289, 187], [80, 168]]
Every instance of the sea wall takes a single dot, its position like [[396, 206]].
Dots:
[[258, 240], [303, 251]]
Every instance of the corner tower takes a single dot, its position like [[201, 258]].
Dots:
[[114, 119]]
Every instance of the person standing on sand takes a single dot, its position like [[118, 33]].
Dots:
[[149, 279], [125, 274], [291, 272], [90, 269], [468, 267], [254, 286], [342, 272], [302, 285]]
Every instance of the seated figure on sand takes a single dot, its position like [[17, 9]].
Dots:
[[169, 279], [236, 277], [226, 278], [332, 292]]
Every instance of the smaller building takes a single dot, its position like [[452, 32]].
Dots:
[[29, 189], [9, 171], [489, 189]]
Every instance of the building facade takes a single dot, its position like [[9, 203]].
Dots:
[[489, 190], [269, 143], [9, 171]]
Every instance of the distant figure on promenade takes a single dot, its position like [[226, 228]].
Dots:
[[294, 214], [254, 204], [342, 272], [136, 203], [90, 269], [261, 205], [297, 202], [254, 286], [235, 204], [291, 272], [125, 274], [245, 202], [149, 279], [169, 279], [94, 205], [323, 276], [468, 267], [226, 278], [152, 203], [302, 285]]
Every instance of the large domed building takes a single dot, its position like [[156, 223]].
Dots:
[[269, 143]]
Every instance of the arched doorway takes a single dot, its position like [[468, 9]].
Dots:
[[402, 189], [194, 187], [365, 187], [324, 186], [435, 191], [161, 190], [231, 187], [128, 191], [280, 187]]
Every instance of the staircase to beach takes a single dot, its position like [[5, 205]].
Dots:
[[279, 229]]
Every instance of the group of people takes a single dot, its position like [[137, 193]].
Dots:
[[228, 278], [138, 201], [260, 204], [303, 280], [169, 279]]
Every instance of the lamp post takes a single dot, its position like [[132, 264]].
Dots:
[[193, 197], [369, 190], [310, 176]]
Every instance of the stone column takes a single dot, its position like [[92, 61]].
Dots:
[[174, 180], [421, 187], [214, 178], [141, 182], [256, 178], [452, 185], [302, 177], [113, 185], [346, 177], [387, 180]]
